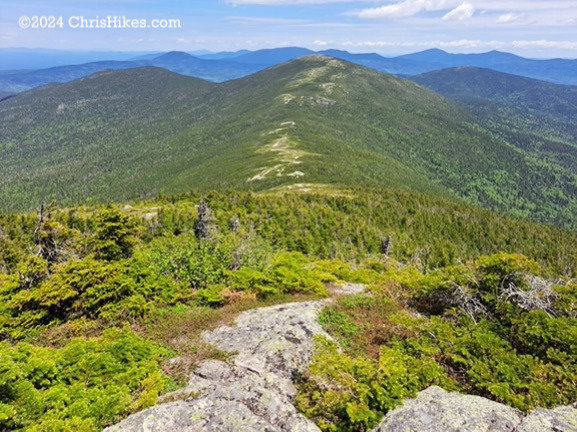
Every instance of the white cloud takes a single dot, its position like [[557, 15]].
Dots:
[[524, 5], [461, 13], [264, 20], [320, 43], [563, 45], [467, 43], [509, 18], [462, 43], [406, 8]]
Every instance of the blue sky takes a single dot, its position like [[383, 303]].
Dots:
[[532, 28]]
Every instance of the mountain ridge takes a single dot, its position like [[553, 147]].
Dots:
[[311, 121], [219, 68]]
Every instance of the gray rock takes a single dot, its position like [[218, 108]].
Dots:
[[436, 410], [255, 391], [172, 416], [561, 419], [273, 346], [349, 289]]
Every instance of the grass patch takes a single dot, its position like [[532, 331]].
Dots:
[[180, 328]]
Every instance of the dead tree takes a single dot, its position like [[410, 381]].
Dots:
[[203, 226], [538, 294], [45, 235], [386, 244]]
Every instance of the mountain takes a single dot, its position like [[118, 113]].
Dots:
[[216, 67], [273, 56], [175, 57], [223, 55], [148, 56], [175, 61], [34, 59], [211, 70], [314, 122], [22, 81], [556, 70], [440, 57], [537, 116], [560, 71], [429, 56], [5, 95], [395, 66], [225, 66], [103, 307], [527, 94]]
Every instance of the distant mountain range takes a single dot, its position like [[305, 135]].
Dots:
[[311, 123], [219, 67], [4, 95], [179, 62]]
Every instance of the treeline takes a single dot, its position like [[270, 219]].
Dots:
[[350, 225], [347, 225]]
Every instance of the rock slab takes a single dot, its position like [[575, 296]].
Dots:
[[436, 410], [252, 392]]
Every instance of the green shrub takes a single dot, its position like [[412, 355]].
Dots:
[[288, 273], [88, 287], [192, 263], [115, 235], [339, 324], [248, 279], [491, 328], [210, 296], [501, 269], [367, 273], [344, 393], [84, 386]]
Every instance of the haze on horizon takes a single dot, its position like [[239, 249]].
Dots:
[[530, 28]]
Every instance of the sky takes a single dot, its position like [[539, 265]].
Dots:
[[530, 28]]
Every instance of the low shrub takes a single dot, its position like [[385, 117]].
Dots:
[[85, 386]]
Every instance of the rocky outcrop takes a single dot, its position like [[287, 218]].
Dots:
[[252, 392], [436, 410]]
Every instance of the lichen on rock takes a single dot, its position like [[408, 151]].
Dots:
[[436, 410], [253, 392]]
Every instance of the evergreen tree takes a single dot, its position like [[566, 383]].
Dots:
[[116, 235]]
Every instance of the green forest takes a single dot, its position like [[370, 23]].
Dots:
[[141, 133], [92, 297]]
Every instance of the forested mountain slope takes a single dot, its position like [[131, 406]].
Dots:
[[313, 121], [536, 116]]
